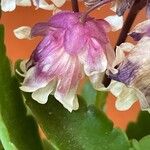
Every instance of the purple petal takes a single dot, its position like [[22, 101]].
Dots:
[[140, 30], [64, 20], [136, 36], [49, 45], [41, 29], [126, 72], [93, 58], [74, 39]]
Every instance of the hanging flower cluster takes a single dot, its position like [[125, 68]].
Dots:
[[74, 46]]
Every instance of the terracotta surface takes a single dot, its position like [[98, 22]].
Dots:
[[21, 49]]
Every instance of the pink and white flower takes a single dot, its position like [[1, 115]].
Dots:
[[134, 72], [69, 50]]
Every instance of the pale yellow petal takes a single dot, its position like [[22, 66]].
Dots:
[[23, 32]]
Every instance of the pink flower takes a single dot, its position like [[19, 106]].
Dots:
[[69, 49]]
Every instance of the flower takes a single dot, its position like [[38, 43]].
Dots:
[[10, 5], [120, 6], [134, 72], [69, 50]]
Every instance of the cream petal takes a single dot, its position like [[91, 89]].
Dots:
[[115, 21], [41, 95], [44, 5], [110, 54], [67, 85], [116, 87], [23, 2], [120, 55], [70, 101], [22, 71], [33, 81], [93, 59], [58, 3], [23, 32], [23, 66], [56, 10], [126, 99], [141, 27], [96, 81], [144, 101], [142, 87], [8, 5]]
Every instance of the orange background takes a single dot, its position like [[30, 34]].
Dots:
[[21, 49]]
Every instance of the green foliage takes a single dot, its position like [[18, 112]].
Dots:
[[84, 129], [101, 99], [140, 128], [92, 96], [17, 130], [89, 93], [1, 146], [143, 144]]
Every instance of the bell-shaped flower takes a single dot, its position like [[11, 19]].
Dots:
[[134, 71], [10, 5], [69, 50]]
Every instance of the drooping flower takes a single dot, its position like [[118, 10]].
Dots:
[[10, 5], [134, 72], [69, 49]]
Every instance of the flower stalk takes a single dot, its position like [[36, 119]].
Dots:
[[135, 9], [98, 4], [75, 6]]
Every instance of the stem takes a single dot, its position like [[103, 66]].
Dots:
[[135, 9], [75, 6], [98, 4]]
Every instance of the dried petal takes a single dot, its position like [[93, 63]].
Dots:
[[115, 21], [23, 32]]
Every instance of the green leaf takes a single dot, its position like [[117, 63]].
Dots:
[[1, 146], [101, 99], [143, 144], [92, 96], [141, 128], [17, 130], [89, 93], [84, 129], [47, 145]]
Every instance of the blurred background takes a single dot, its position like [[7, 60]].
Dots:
[[21, 49]]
